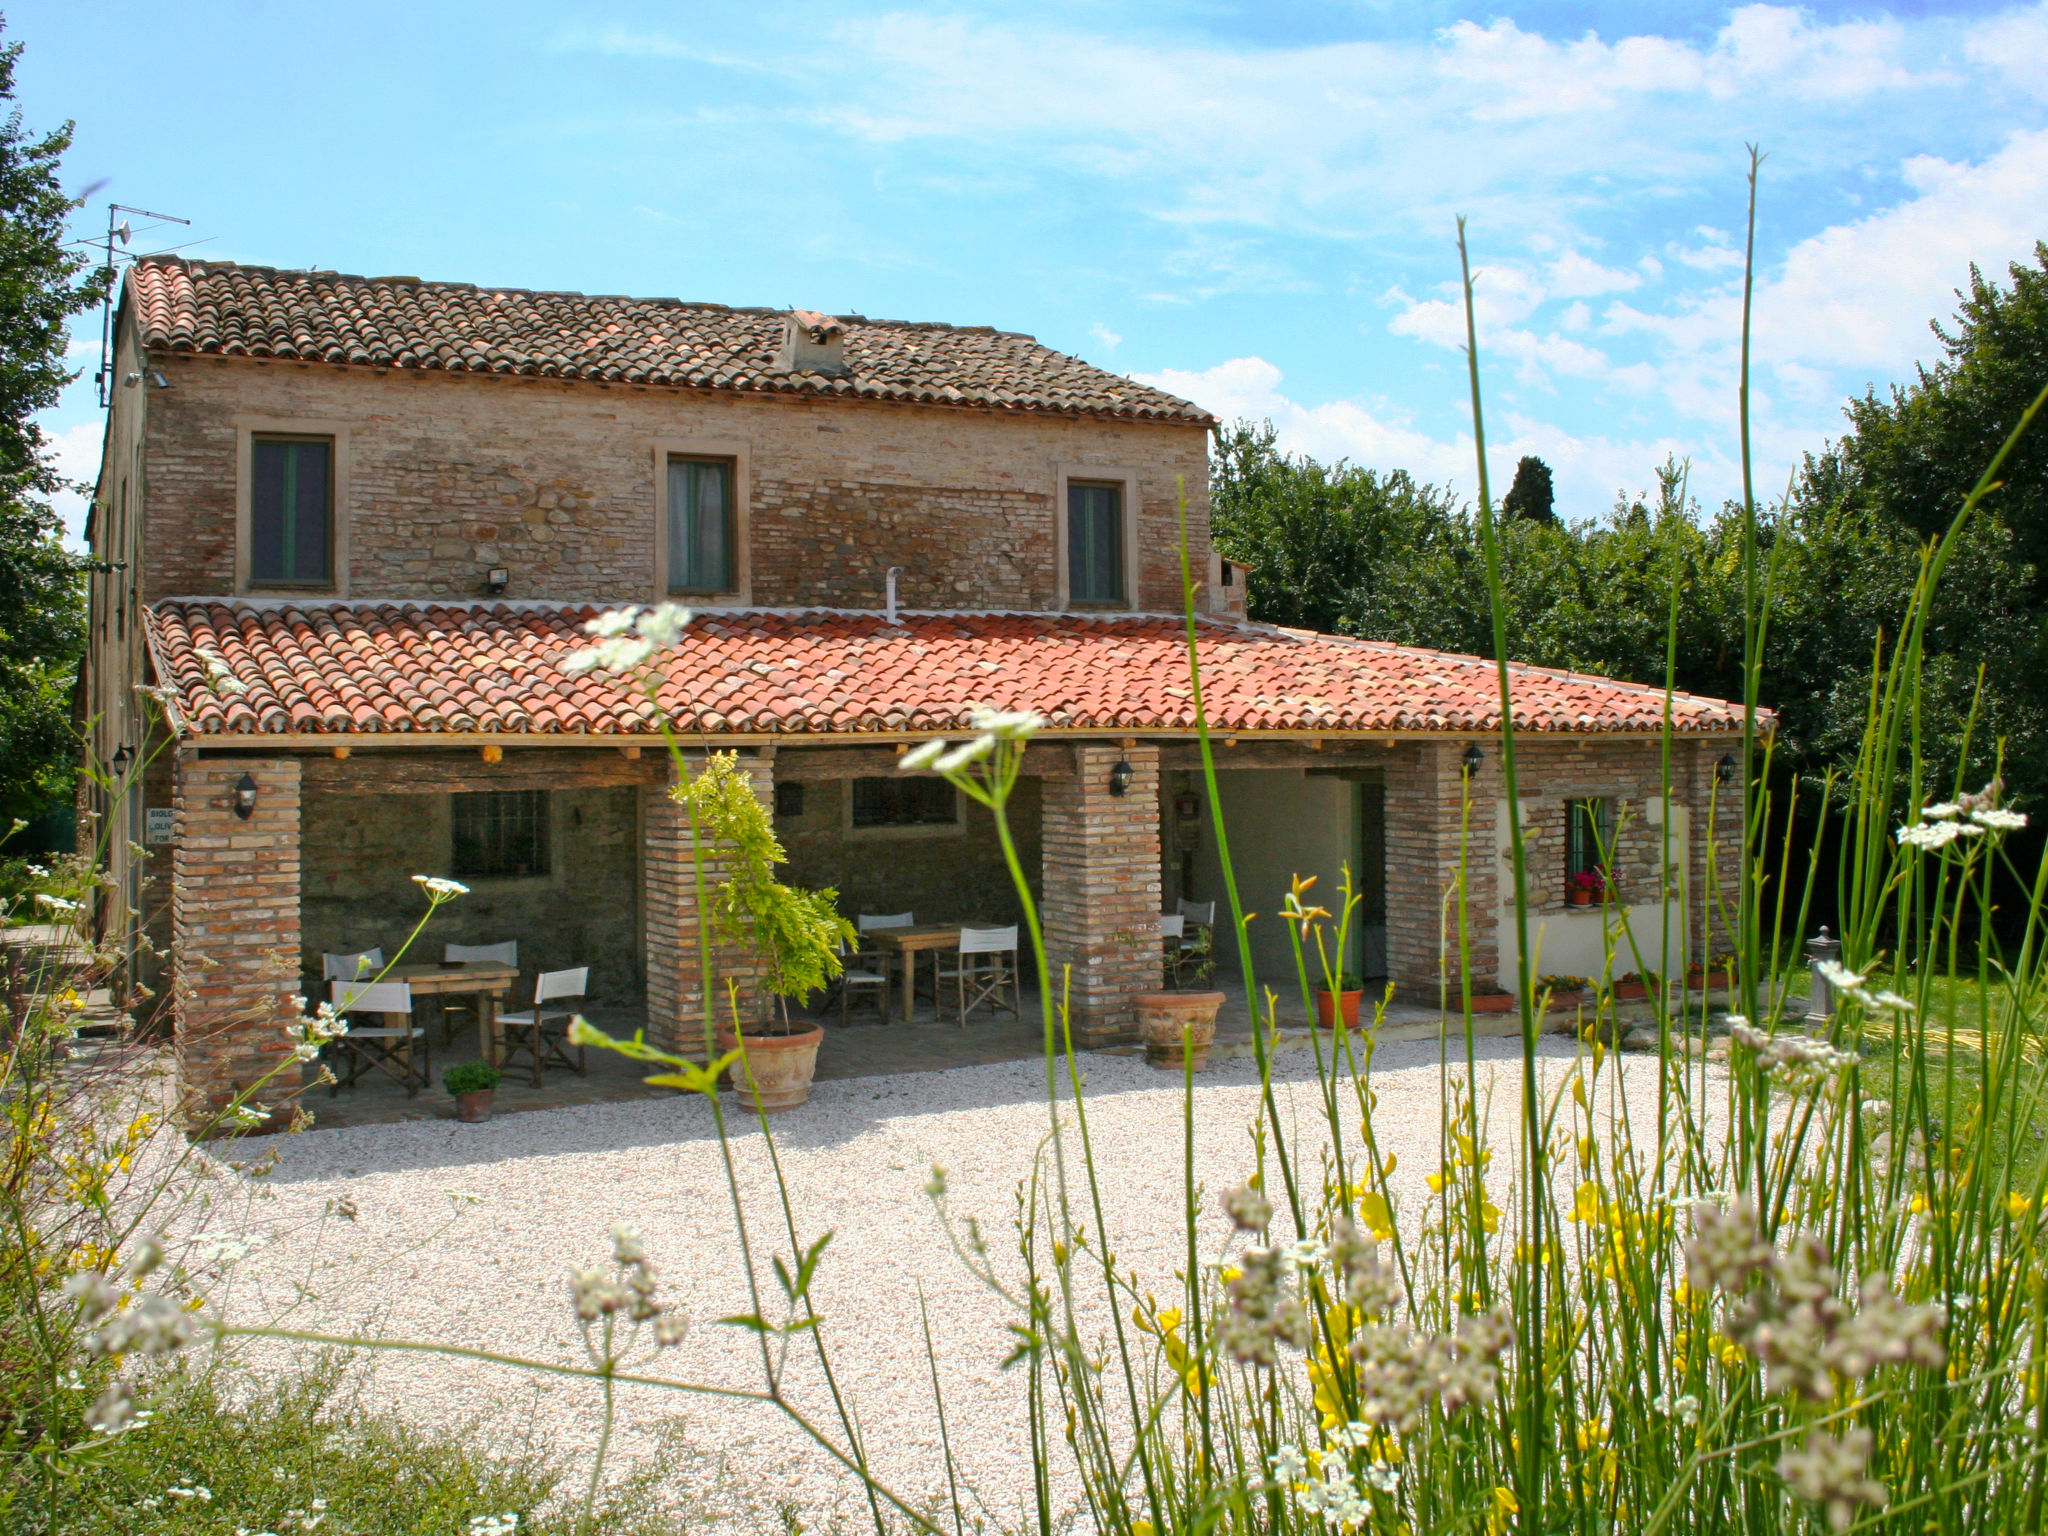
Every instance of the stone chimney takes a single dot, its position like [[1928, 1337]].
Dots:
[[1226, 587], [812, 343]]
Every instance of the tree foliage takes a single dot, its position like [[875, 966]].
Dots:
[[1354, 551], [42, 600], [1532, 495]]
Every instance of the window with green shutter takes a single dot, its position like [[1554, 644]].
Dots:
[[1095, 543], [700, 526], [291, 512]]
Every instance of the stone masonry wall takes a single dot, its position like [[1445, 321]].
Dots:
[[235, 914], [450, 476], [1101, 901], [675, 995], [362, 850]]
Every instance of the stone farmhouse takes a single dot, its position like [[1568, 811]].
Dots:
[[352, 526]]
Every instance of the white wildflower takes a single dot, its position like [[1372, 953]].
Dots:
[[186, 1489], [1947, 810], [922, 757], [1890, 999], [1305, 1254], [1999, 821], [1288, 1464], [1839, 976], [1929, 834], [967, 752], [1011, 725], [614, 621], [1381, 1476], [626, 1245], [93, 1293], [493, 1525], [58, 903], [627, 637], [437, 886], [112, 1411], [1354, 1436]]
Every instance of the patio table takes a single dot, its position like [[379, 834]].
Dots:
[[910, 943], [482, 980]]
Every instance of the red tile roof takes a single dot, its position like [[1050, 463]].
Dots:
[[226, 310], [343, 668]]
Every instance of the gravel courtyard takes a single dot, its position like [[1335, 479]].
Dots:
[[465, 1234]]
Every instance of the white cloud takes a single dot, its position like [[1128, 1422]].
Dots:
[[1573, 276], [1105, 335], [2016, 46], [75, 450]]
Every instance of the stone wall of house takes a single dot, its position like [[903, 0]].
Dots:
[[940, 876], [235, 909], [449, 476], [360, 852], [1432, 832], [1101, 903]]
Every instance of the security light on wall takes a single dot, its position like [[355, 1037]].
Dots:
[[496, 580]]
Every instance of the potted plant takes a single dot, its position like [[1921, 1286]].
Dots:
[[1584, 888], [1566, 990], [1330, 1006], [1492, 1000], [795, 934], [1631, 988], [1718, 971], [1175, 1023], [474, 1084]]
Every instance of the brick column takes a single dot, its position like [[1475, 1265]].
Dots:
[[235, 932], [1425, 809], [1722, 844], [668, 878], [1101, 884]]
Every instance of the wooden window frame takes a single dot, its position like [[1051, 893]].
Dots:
[[1132, 502], [740, 491], [545, 822], [248, 429], [954, 828], [1604, 822]]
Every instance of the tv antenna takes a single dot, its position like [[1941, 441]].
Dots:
[[123, 232]]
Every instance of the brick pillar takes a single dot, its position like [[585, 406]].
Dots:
[[1101, 883], [1706, 932], [235, 932], [668, 877], [1425, 809]]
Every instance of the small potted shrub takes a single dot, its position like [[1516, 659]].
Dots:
[[1584, 888], [1330, 1006], [1566, 991], [1630, 988], [473, 1083], [1719, 971]]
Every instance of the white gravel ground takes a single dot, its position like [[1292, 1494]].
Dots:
[[465, 1234]]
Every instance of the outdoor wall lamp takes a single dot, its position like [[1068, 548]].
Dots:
[[1120, 778], [123, 756], [1473, 758], [245, 797], [496, 580], [1724, 772]]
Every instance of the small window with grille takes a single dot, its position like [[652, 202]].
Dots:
[[500, 833], [904, 802], [1589, 846]]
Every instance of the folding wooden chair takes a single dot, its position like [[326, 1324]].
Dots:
[[386, 1047], [460, 1013], [866, 974], [543, 1033], [984, 965]]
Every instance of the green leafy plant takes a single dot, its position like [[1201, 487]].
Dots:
[[796, 933], [471, 1077]]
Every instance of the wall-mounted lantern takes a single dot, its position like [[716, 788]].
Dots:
[[1120, 778], [1473, 758], [245, 797], [1724, 772], [123, 756]]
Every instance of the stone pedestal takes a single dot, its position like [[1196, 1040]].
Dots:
[[1101, 884], [235, 933]]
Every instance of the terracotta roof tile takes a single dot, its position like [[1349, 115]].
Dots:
[[226, 310], [240, 668]]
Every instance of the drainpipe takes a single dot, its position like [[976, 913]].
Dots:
[[894, 572]]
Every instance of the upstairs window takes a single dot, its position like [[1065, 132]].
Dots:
[[700, 526], [291, 512], [500, 833], [1095, 543], [904, 802]]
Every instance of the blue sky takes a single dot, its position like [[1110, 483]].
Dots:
[[1252, 205]]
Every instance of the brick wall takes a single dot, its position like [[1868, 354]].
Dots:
[[959, 875], [1425, 811], [675, 997], [450, 476], [361, 851], [1101, 901], [235, 911]]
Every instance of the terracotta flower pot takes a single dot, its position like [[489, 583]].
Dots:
[[1163, 1016], [474, 1107], [1330, 1004], [1493, 1002], [1702, 981], [782, 1067], [1564, 1002], [1578, 898], [1631, 991]]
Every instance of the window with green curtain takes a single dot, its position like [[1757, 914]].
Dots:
[[1095, 543], [700, 526], [1589, 846], [291, 511]]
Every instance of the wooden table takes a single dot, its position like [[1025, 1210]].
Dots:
[[486, 981], [909, 943]]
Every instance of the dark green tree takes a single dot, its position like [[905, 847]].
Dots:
[[42, 601], [1531, 497]]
